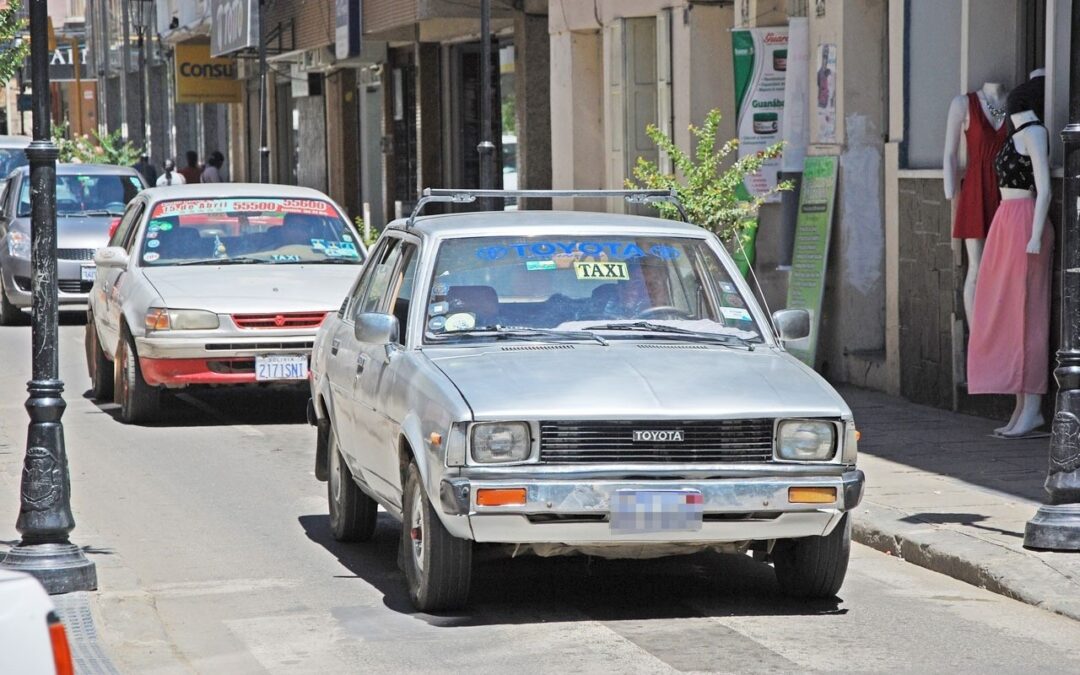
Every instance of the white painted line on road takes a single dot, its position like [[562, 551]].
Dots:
[[245, 429]]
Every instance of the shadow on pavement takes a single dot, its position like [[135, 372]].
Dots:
[[531, 589], [223, 407], [969, 519], [949, 444]]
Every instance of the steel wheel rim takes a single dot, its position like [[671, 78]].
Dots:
[[416, 528], [125, 380]]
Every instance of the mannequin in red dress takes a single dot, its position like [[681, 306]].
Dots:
[[979, 118]]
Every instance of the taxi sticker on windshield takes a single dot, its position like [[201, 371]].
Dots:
[[735, 313], [151, 256], [602, 271], [437, 308], [153, 243], [165, 227], [727, 287], [346, 237], [152, 234], [285, 258], [436, 323], [534, 265], [734, 300], [318, 244]]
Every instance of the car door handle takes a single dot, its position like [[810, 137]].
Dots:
[[335, 345], [361, 361]]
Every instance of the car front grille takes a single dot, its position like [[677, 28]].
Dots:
[[705, 441], [75, 286], [290, 320], [291, 347], [75, 254]]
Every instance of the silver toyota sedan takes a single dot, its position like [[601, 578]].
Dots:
[[214, 285], [89, 197], [576, 383]]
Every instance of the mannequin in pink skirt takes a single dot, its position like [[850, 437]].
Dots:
[[1010, 343]]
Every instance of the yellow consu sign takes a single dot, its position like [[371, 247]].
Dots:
[[202, 79]]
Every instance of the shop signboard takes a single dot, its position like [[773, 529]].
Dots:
[[201, 78], [347, 29], [62, 59], [234, 26], [760, 60], [813, 230]]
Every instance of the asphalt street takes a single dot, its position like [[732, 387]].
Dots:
[[214, 555]]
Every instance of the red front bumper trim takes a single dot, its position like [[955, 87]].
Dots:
[[190, 371]]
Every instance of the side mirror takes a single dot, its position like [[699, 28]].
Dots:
[[111, 256], [792, 324], [376, 329]]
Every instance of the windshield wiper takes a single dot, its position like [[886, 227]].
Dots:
[[86, 214], [525, 333], [239, 260], [650, 327], [325, 261]]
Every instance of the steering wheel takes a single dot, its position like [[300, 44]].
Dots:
[[662, 311]]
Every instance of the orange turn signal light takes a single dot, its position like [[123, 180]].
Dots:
[[435, 438], [500, 497], [61, 650], [811, 495], [858, 435]]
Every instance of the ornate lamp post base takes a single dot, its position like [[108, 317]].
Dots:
[[1054, 528], [61, 568]]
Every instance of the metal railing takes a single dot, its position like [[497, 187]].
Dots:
[[453, 196]]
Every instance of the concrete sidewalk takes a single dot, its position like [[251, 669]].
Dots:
[[943, 494]]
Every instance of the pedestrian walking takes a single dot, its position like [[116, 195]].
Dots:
[[212, 172], [191, 171], [144, 167], [170, 176]]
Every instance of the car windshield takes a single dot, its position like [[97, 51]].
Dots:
[[88, 194], [610, 285], [248, 230], [11, 159]]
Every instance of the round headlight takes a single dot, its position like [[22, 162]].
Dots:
[[805, 440]]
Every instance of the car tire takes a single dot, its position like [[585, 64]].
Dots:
[[813, 567], [139, 402], [438, 565], [101, 368], [10, 315], [352, 513]]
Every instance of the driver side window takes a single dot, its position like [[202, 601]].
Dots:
[[130, 217]]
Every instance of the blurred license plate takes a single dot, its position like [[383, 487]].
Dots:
[[638, 511], [281, 368], [88, 273]]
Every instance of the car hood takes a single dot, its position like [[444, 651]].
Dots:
[[226, 289], [644, 380], [88, 232]]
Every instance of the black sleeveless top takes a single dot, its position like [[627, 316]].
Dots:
[[1013, 169]]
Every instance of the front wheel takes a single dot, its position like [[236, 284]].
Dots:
[[438, 566], [99, 365], [352, 513], [814, 567], [139, 402]]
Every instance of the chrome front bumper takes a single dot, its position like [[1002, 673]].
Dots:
[[576, 511], [223, 345], [16, 272]]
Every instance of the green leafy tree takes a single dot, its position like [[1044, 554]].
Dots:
[[710, 188], [13, 50], [93, 148]]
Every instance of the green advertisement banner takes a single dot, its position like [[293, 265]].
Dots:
[[813, 231]]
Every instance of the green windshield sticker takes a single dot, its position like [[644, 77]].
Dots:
[[534, 265]]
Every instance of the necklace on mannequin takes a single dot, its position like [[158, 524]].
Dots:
[[997, 113]]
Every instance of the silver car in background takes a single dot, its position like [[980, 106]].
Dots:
[[214, 285], [571, 382], [89, 199]]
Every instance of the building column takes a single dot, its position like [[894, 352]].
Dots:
[[577, 116], [532, 91], [429, 137], [335, 135]]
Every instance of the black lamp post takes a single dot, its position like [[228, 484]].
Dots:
[[45, 518], [486, 148], [1056, 526]]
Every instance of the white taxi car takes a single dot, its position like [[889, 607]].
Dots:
[[214, 285]]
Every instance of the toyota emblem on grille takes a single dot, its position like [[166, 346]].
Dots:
[[279, 321], [668, 436]]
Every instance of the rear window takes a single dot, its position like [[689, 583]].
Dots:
[[88, 194], [250, 230]]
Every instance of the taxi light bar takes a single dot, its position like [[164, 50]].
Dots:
[[500, 497], [811, 495]]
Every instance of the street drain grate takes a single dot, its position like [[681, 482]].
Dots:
[[86, 650]]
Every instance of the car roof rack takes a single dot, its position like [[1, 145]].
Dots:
[[455, 196]]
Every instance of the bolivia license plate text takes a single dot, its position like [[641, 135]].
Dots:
[[281, 368], [88, 273], [639, 511]]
